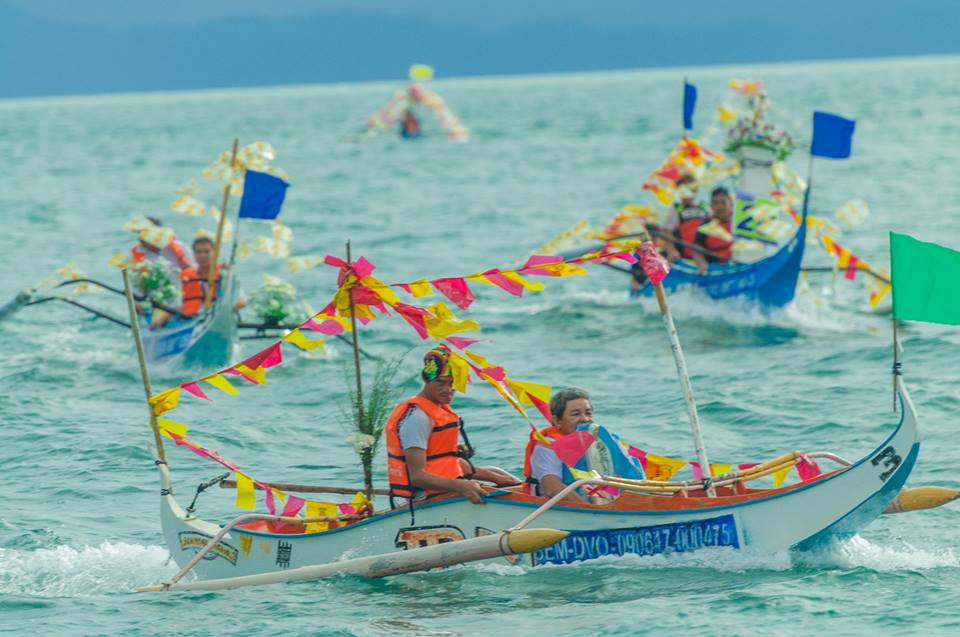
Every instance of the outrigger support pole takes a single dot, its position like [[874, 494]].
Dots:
[[144, 372], [687, 389]]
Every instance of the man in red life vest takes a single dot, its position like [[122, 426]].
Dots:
[[543, 469], [424, 455], [717, 249]]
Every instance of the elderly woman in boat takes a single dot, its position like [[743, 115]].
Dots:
[[424, 454], [547, 474]]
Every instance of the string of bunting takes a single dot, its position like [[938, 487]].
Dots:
[[246, 493]]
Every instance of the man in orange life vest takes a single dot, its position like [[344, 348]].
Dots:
[[193, 283], [570, 408], [718, 249], [424, 456]]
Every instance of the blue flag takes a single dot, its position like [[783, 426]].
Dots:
[[262, 196], [832, 135], [689, 103]]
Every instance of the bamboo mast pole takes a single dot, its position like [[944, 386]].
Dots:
[[212, 275], [361, 417], [144, 372], [687, 388]]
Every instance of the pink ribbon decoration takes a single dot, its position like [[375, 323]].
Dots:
[[347, 509], [697, 471], [461, 343], [571, 447], [194, 389], [455, 289], [271, 505], [654, 265], [807, 468], [640, 455], [361, 267]]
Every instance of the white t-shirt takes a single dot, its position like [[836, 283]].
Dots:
[[544, 461], [414, 429]]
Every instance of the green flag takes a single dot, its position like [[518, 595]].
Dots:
[[926, 281]]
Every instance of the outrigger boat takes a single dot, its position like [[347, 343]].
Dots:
[[648, 517]]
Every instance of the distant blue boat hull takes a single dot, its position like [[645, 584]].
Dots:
[[770, 283]]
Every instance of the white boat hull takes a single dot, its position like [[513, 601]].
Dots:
[[831, 507]]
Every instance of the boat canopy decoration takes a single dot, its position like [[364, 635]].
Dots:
[[388, 117]]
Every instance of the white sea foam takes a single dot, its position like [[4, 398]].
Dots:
[[861, 553], [65, 571]]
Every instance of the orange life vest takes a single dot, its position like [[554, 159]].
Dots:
[[193, 290], [443, 455], [549, 432], [687, 232]]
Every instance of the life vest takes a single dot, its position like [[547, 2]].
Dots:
[[193, 288], [174, 253], [551, 432], [687, 232], [443, 454], [721, 250]]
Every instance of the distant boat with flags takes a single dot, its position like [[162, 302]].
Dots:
[[406, 111]]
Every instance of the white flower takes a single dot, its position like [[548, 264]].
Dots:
[[361, 442]]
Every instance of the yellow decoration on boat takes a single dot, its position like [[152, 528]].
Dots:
[[165, 401], [516, 278], [853, 213], [303, 263], [726, 115], [382, 290], [221, 383], [297, 338], [244, 251], [119, 260], [168, 427], [779, 476], [661, 468], [246, 497], [318, 510], [524, 390], [720, 469], [258, 375], [444, 323], [276, 249]]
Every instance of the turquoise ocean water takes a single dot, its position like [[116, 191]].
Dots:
[[79, 525]]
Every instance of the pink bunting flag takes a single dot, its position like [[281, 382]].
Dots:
[[233, 371], [405, 287], [460, 342], [530, 267], [268, 492], [455, 289], [293, 506], [194, 388], [748, 465], [807, 468], [654, 265], [347, 509], [267, 358], [624, 256], [503, 282], [496, 373], [571, 447], [362, 268], [414, 316], [639, 454], [328, 326], [697, 471]]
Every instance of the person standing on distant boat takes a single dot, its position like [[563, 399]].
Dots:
[[716, 247], [424, 454]]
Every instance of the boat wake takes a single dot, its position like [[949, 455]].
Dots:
[[65, 571]]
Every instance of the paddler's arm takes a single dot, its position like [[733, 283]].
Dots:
[[419, 477], [496, 475], [701, 262]]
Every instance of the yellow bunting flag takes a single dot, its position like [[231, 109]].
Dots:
[[461, 372], [319, 510], [297, 338], [258, 375], [246, 498], [516, 278], [525, 390], [559, 269], [420, 288], [168, 427], [479, 360], [443, 323], [779, 476], [360, 500], [221, 383], [583, 475], [506, 396], [165, 401], [381, 290], [720, 469], [661, 468]]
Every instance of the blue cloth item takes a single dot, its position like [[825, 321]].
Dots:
[[624, 465], [262, 196], [832, 135], [689, 103]]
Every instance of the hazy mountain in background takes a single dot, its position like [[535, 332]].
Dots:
[[51, 47]]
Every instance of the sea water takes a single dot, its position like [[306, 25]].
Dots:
[[79, 526]]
